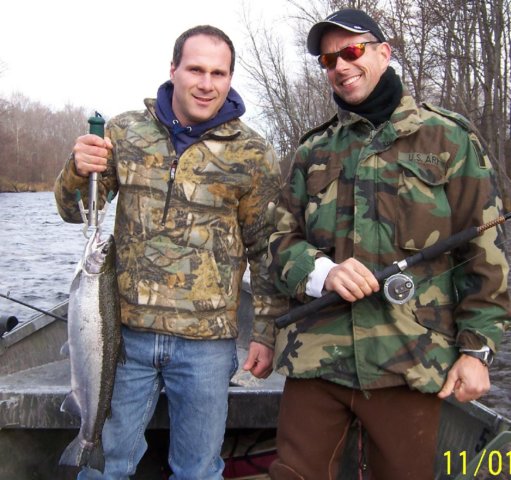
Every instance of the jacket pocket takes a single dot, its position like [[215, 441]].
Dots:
[[162, 274], [321, 211], [439, 319], [319, 180], [423, 213]]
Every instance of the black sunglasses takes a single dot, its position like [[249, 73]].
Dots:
[[348, 53]]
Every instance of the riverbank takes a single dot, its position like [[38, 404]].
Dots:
[[11, 186]]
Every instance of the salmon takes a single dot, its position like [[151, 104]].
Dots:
[[95, 347]]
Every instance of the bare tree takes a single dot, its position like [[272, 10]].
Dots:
[[456, 54], [35, 141], [410, 29], [472, 49], [289, 103]]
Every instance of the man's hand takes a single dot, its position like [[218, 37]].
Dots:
[[259, 360], [352, 280], [468, 379], [90, 154]]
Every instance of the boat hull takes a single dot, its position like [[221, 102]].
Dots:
[[35, 378]]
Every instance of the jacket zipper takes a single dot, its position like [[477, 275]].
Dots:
[[172, 176]]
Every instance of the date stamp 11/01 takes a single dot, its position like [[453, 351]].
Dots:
[[493, 463]]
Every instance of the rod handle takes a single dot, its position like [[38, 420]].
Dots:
[[96, 127]]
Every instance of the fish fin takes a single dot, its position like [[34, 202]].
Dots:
[[64, 350], [73, 454], [71, 405], [79, 453]]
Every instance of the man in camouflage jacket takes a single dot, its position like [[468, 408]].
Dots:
[[380, 181], [194, 184]]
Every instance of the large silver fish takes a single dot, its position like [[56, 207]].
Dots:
[[95, 347]]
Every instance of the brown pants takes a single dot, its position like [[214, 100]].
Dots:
[[314, 418]]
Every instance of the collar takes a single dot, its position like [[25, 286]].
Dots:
[[405, 119], [225, 131]]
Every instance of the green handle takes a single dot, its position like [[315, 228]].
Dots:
[[97, 125]]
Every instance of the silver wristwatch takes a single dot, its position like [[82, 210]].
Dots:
[[484, 354]]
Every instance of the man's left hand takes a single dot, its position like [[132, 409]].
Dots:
[[468, 380], [259, 360]]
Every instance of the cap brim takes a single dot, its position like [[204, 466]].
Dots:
[[316, 32]]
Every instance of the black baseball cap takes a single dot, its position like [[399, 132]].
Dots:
[[349, 19]]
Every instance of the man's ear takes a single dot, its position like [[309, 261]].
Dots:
[[385, 51]]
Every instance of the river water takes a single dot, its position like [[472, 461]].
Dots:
[[39, 253]]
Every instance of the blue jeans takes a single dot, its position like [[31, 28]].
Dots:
[[196, 376]]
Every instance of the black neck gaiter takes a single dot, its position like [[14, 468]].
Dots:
[[382, 101]]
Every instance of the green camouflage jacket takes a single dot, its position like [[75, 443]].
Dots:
[[183, 274], [380, 196]]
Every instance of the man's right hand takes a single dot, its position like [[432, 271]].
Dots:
[[90, 154], [351, 280]]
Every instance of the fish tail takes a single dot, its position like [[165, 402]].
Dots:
[[79, 453], [97, 458]]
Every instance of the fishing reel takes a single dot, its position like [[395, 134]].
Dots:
[[398, 288]]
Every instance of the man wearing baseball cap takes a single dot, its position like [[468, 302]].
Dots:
[[383, 179]]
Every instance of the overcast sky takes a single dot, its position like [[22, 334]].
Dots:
[[108, 55]]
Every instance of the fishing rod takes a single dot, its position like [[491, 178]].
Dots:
[[93, 217], [398, 288], [96, 127], [8, 297]]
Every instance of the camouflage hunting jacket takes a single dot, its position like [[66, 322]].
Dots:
[[183, 239], [380, 195]]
